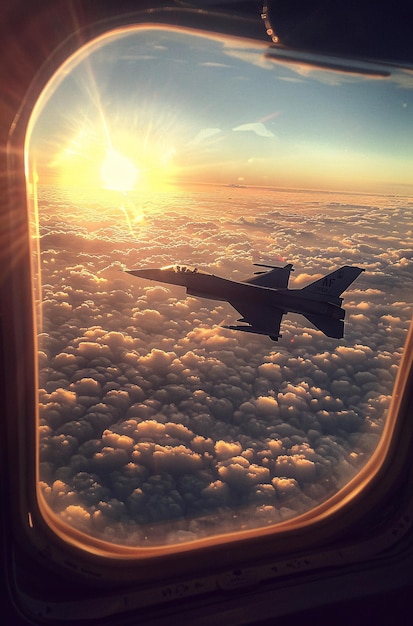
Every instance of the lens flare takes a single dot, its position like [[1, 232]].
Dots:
[[117, 172]]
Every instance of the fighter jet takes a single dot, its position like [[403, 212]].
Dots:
[[264, 298]]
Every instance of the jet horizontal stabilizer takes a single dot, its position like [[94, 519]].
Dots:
[[329, 326]]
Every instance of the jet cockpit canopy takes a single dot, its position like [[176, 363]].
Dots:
[[182, 268]]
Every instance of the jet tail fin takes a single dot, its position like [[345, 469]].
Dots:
[[329, 326], [332, 285]]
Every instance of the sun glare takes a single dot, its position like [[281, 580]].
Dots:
[[118, 172]]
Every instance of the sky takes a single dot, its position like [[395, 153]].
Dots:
[[153, 107], [157, 425]]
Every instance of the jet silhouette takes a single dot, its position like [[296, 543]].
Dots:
[[264, 298]]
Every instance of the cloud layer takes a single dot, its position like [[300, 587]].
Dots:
[[157, 425]]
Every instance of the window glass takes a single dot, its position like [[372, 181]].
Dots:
[[159, 148]]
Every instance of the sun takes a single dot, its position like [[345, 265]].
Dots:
[[118, 172], [95, 158]]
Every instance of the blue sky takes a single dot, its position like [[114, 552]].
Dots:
[[188, 108]]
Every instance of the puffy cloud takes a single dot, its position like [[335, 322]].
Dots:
[[92, 350], [295, 466], [85, 386], [239, 473], [226, 450], [109, 459], [266, 406], [157, 360], [77, 516]]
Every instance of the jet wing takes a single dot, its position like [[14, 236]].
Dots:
[[261, 319]]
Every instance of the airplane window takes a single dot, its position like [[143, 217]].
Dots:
[[222, 252]]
